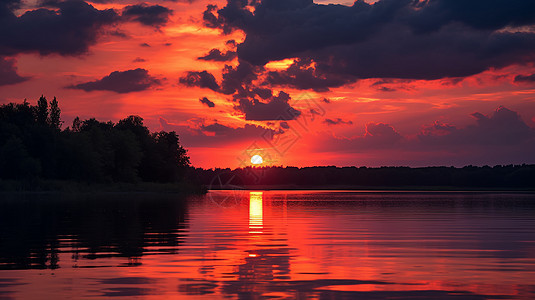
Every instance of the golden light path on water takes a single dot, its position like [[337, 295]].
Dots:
[[255, 213]]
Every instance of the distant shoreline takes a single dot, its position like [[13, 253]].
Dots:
[[469, 178], [372, 188]]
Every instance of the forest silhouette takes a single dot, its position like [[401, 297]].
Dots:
[[332, 177], [33, 146]]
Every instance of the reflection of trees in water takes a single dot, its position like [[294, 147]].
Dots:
[[34, 229]]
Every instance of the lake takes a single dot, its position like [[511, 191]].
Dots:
[[269, 244]]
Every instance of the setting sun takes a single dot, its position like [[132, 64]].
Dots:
[[256, 160], [251, 149]]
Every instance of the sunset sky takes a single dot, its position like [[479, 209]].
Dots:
[[301, 83]]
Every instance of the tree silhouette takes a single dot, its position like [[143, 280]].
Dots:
[[41, 111], [55, 113], [76, 123], [32, 145]]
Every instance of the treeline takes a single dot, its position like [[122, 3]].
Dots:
[[33, 146], [509, 176]]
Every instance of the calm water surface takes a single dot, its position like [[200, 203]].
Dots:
[[270, 244]]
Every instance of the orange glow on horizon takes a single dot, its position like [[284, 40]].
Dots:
[[169, 52]]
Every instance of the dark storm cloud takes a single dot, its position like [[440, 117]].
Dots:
[[149, 15], [121, 82], [388, 39], [201, 79], [446, 54], [70, 30], [277, 108], [217, 55], [302, 75], [8, 72], [238, 82], [478, 14], [525, 78], [263, 92], [238, 79], [207, 102], [337, 121], [210, 20]]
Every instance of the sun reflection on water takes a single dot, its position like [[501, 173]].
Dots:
[[256, 223]]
